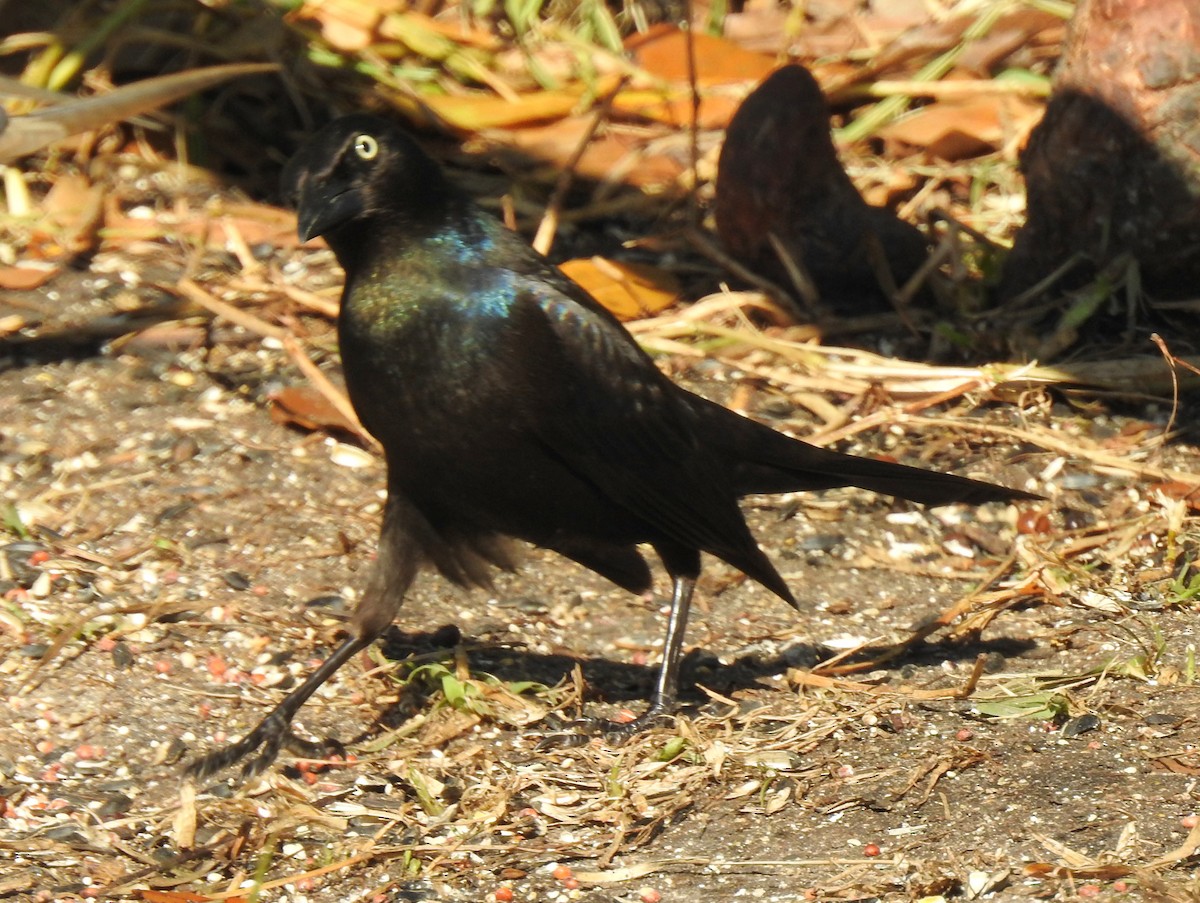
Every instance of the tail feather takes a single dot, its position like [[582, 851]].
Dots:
[[768, 461]]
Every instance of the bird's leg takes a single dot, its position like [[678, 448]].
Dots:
[[395, 567], [666, 689], [275, 731], [662, 700]]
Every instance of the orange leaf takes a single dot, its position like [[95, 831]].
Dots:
[[308, 409], [476, 112], [953, 130], [348, 24], [23, 278], [183, 896], [629, 290], [662, 51], [618, 153], [673, 106]]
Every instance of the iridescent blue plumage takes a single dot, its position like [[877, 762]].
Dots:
[[511, 404]]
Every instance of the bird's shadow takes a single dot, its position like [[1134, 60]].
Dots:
[[613, 682]]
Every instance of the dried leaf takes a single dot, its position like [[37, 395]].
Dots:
[[33, 131], [629, 290], [662, 51], [23, 277], [953, 130], [475, 112], [619, 155], [305, 407]]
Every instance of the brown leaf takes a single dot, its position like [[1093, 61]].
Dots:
[[619, 153], [629, 290], [673, 105], [662, 51], [954, 130], [1175, 765], [475, 112], [308, 409], [23, 278]]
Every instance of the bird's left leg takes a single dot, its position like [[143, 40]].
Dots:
[[684, 567]]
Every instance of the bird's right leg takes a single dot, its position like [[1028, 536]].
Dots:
[[395, 568], [274, 731]]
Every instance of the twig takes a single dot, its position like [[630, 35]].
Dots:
[[332, 394], [544, 238], [780, 296], [194, 293]]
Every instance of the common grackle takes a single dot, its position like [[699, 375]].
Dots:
[[511, 404]]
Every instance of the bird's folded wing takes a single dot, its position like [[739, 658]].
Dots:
[[618, 423]]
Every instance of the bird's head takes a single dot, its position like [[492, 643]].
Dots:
[[354, 169]]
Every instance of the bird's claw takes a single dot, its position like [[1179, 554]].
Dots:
[[271, 735]]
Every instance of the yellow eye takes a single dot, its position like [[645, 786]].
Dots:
[[366, 147]]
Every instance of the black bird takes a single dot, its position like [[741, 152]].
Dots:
[[509, 403]]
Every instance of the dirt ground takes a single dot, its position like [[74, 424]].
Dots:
[[174, 557]]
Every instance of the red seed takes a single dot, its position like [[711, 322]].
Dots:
[[1089, 890], [871, 849], [216, 666], [625, 716], [1032, 522], [649, 895], [162, 666], [39, 557], [964, 734], [311, 777], [503, 895], [1189, 821], [1120, 886], [86, 751], [562, 873]]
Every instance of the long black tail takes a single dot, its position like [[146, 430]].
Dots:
[[769, 461]]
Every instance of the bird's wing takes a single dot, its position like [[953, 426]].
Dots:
[[598, 403]]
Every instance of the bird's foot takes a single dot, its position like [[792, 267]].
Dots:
[[581, 731], [272, 734]]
